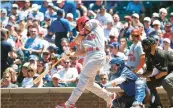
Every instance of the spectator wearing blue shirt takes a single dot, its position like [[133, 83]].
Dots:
[[33, 45], [68, 6], [60, 27], [44, 6], [50, 12], [147, 28], [135, 7], [133, 86], [3, 17]]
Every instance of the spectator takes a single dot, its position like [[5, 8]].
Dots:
[[53, 64], [81, 8], [103, 17], [117, 24], [33, 45], [35, 14], [155, 16], [7, 50], [63, 25], [69, 17], [157, 30], [114, 50], [27, 8], [110, 29], [123, 46], [45, 56], [22, 74], [68, 7], [15, 11], [171, 20], [135, 21], [113, 36], [55, 82], [147, 28], [44, 6], [136, 57], [6, 81], [168, 31], [103, 79], [76, 64], [68, 75], [28, 81], [96, 6], [166, 45], [163, 19], [135, 7], [50, 12], [4, 18]]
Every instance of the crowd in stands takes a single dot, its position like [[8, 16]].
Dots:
[[35, 35]]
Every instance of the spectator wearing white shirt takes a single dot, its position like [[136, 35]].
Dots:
[[68, 75], [103, 17]]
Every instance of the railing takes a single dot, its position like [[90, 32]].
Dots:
[[59, 90]]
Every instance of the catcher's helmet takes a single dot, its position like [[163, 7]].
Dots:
[[117, 60], [148, 41]]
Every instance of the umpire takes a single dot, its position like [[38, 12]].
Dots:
[[163, 62]]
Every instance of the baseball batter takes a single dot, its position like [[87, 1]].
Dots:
[[92, 42]]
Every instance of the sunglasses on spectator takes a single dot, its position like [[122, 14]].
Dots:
[[165, 42], [53, 58], [66, 62], [134, 17], [111, 37], [135, 35], [156, 25], [39, 66], [33, 31], [30, 70], [45, 53], [103, 78]]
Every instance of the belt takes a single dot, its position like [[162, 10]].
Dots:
[[92, 49]]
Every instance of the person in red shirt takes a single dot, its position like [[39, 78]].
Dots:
[[167, 33]]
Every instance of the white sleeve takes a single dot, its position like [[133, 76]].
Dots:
[[115, 81]]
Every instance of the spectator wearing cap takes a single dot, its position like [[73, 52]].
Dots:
[[163, 19], [158, 41], [35, 12], [155, 16], [136, 57], [69, 17], [166, 45], [50, 12], [45, 56], [55, 82], [15, 11], [157, 30], [68, 75], [44, 6], [7, 50], [23, 73], [63, 26], [4, 18], [32, 44], [135, 21], [68, 7], [113, 36], [135, 7], [171, 20], [117, 24], [168, 31], [115, 51], [103, 16], [147, 26], [110, 29]]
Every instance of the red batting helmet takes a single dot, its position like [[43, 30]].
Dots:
[[81, 22]]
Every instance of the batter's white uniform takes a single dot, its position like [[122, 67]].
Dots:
[[93, 62]]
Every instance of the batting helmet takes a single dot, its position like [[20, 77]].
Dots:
[[81, 22]]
